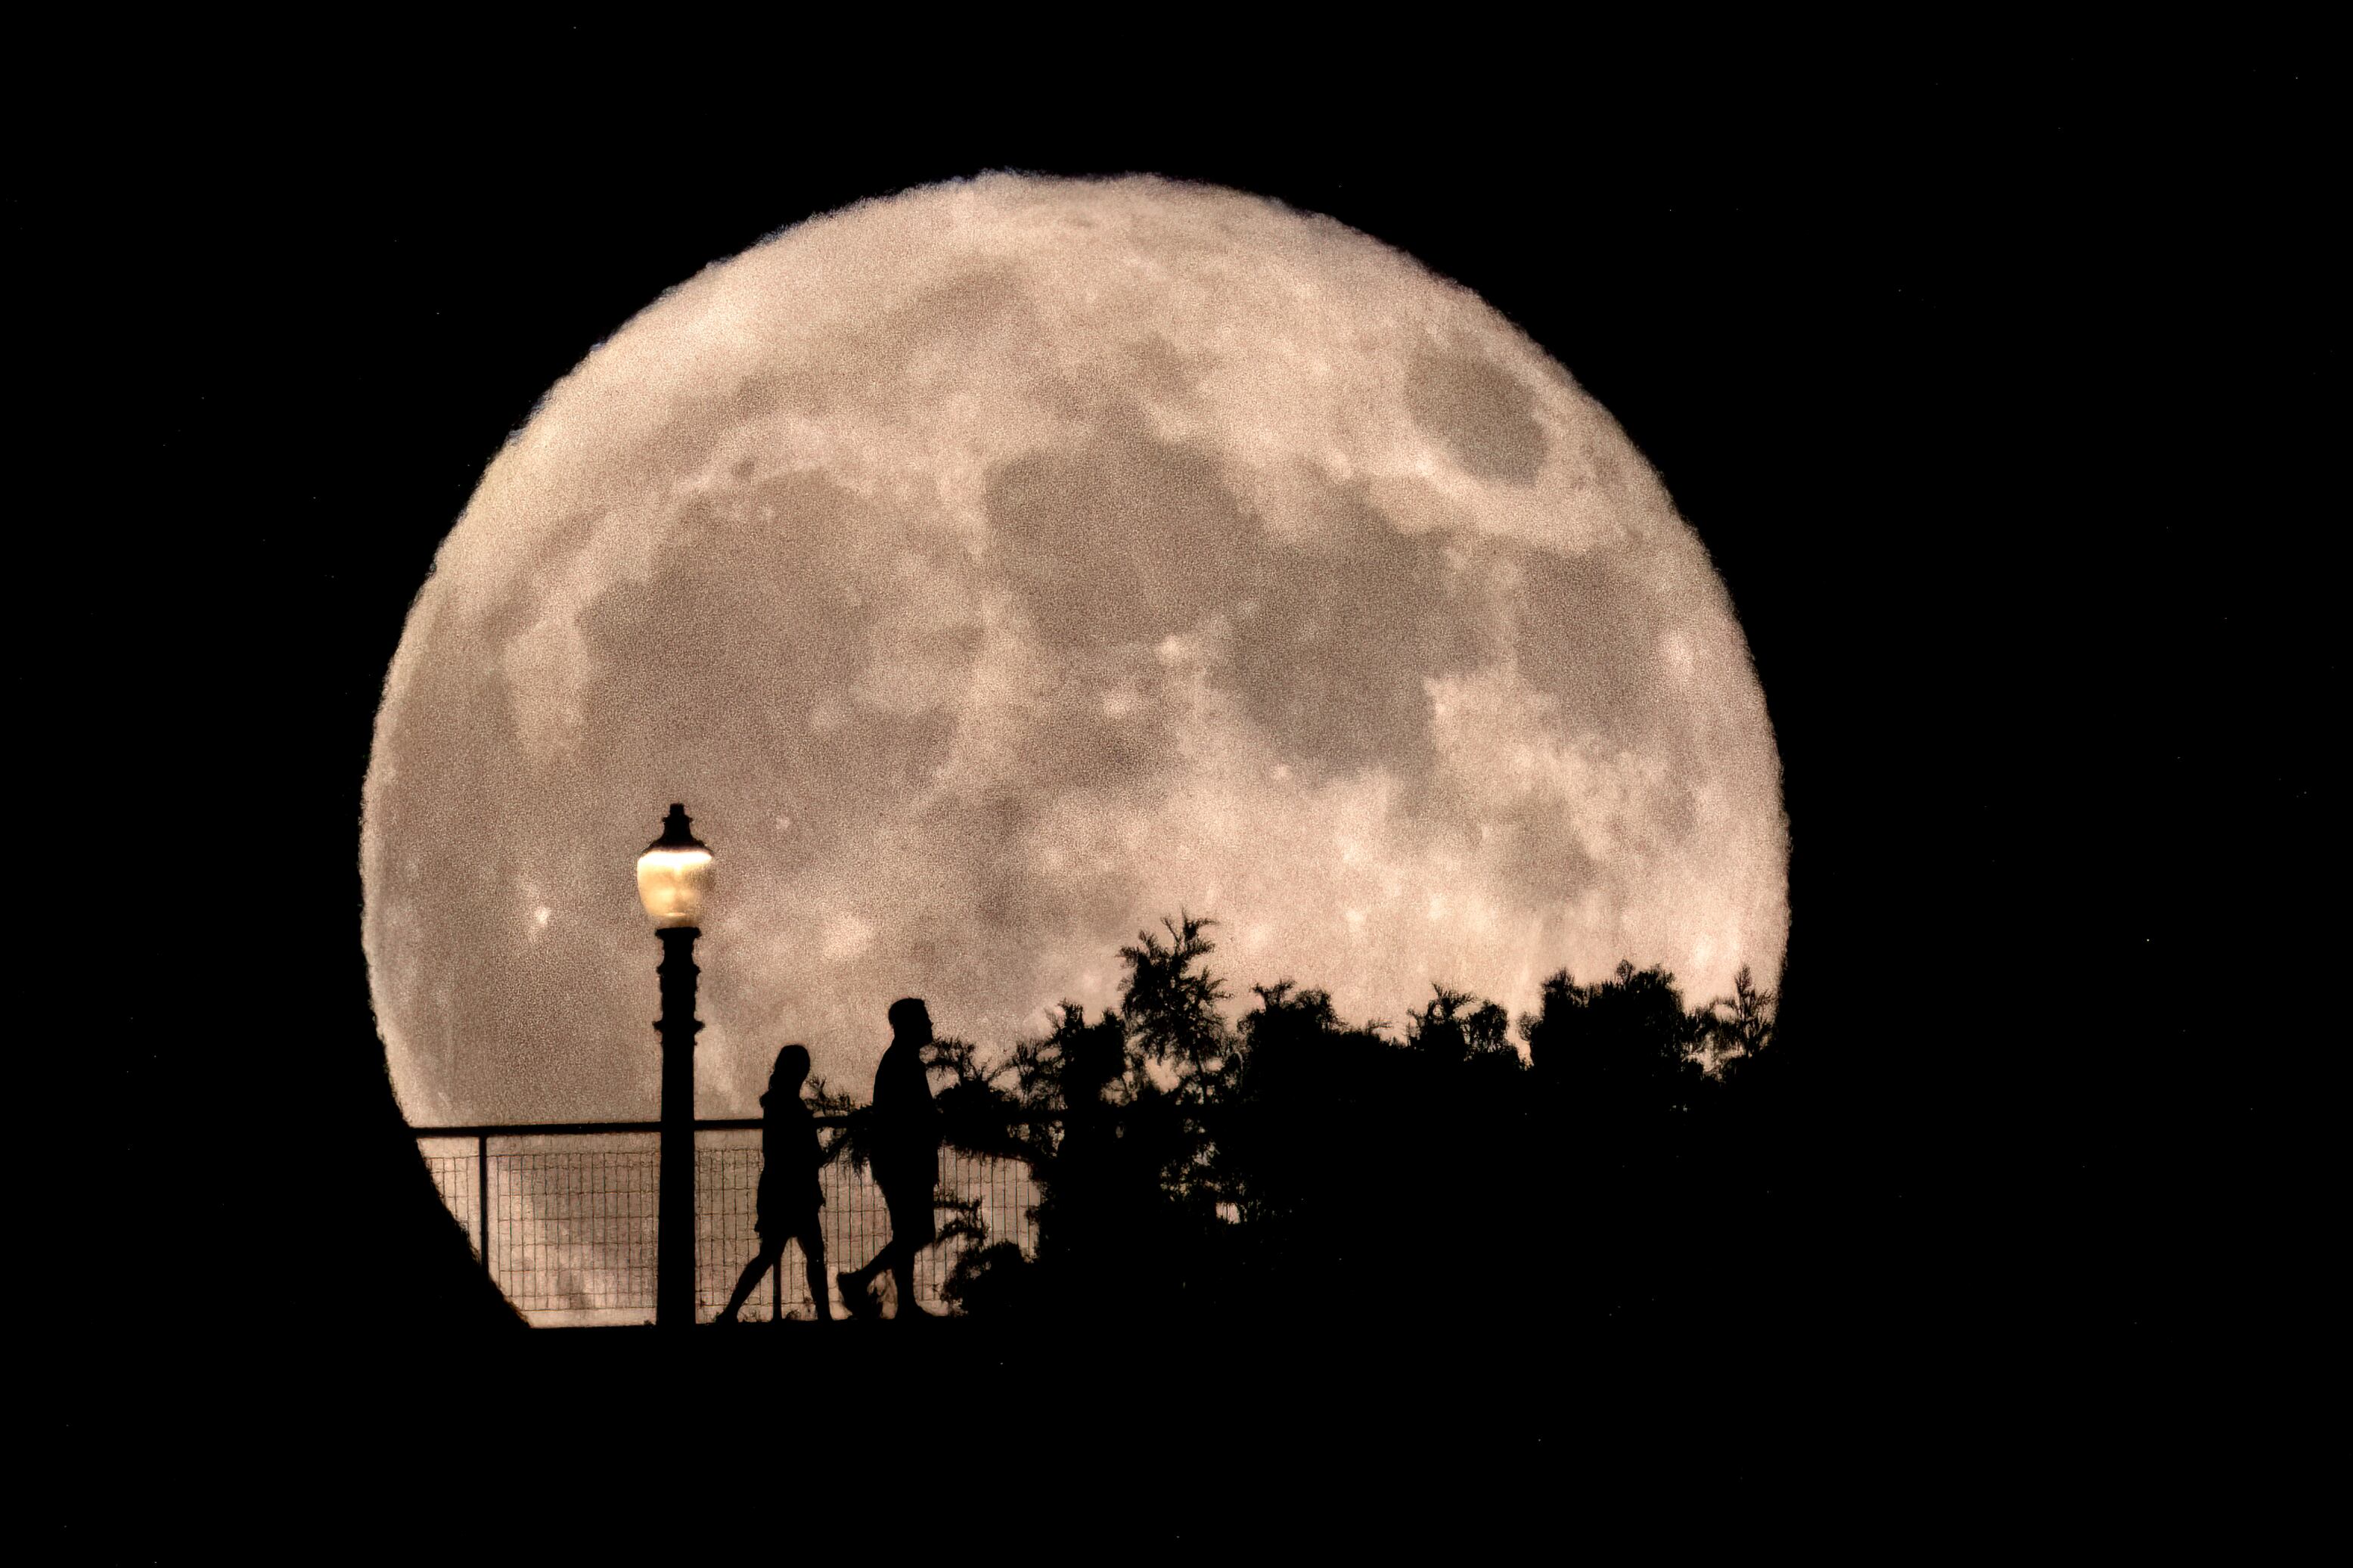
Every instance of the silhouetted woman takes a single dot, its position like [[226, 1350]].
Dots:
[[790, 1194]]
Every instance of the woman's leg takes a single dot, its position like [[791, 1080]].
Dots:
[[770, 1252], [813, 1255]]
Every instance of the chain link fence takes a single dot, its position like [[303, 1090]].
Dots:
[[570, 1217]]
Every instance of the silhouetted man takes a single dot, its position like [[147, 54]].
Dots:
[[790, 1194], [906, 1161]]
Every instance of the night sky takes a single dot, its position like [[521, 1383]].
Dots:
[[1991, 391]]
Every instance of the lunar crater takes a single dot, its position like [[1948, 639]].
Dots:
[[1481, 412]]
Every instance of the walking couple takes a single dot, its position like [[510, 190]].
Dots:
[[904, 1156]]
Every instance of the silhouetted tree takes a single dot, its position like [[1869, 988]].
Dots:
[[1170, 1002], [1623, 1047], [1740, 1026], [1452, 1028], [1292, 1164], [976, 1112]]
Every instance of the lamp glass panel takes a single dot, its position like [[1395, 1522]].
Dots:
[[672, 883]]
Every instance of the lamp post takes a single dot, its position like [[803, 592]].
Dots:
[[673, 875]]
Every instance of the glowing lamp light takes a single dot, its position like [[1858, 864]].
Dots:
[[674, 874]]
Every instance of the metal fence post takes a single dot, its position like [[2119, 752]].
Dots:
[[483, 1197]]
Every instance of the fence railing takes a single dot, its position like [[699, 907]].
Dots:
[[563, 1216]]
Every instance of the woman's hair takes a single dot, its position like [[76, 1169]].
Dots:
[[792, 1066]]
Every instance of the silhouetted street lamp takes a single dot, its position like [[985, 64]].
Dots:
[[673, 876]]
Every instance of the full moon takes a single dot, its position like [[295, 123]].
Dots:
[[995, 569]]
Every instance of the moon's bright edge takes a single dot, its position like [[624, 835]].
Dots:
[[996, 568]]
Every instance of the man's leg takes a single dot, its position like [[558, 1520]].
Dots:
[[911, 1230], [902, 1275], [857, 1278], [857, 1284]]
